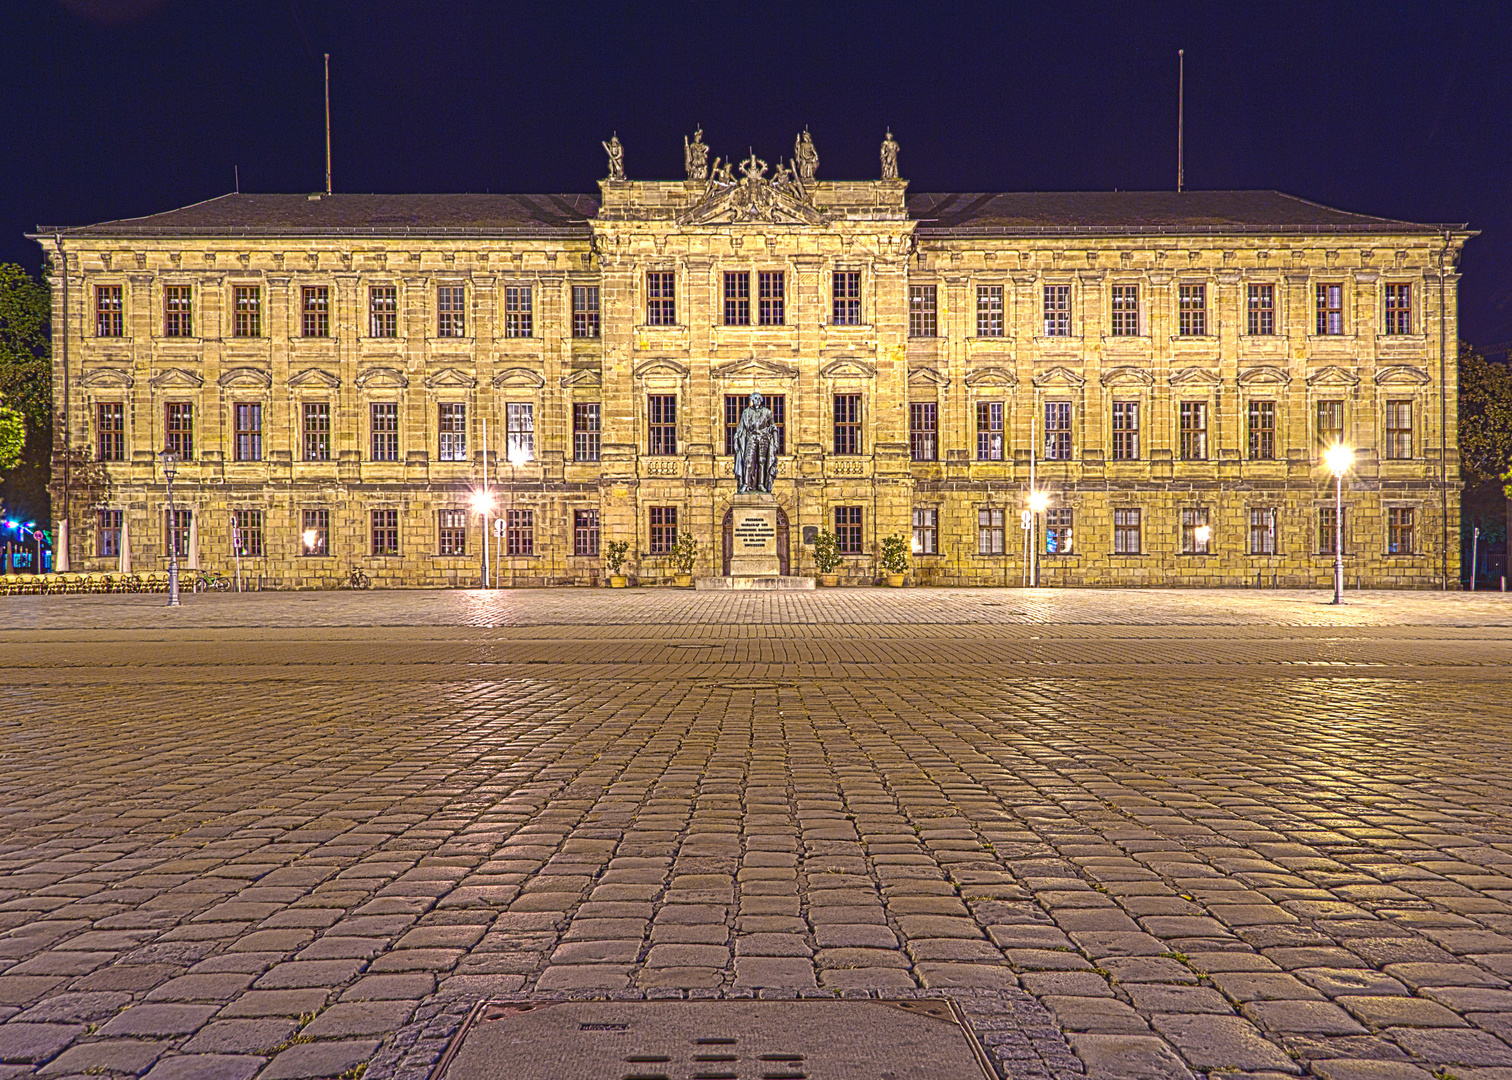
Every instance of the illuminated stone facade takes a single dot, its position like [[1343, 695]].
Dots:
[[1174, 359]]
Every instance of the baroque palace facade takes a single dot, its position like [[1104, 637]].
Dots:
[[1165, 366]]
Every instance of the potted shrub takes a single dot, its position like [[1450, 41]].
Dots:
[[827, 558], [614, 556], [684, 554], [895, 559]]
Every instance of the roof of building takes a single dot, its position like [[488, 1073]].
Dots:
[[963, 214]]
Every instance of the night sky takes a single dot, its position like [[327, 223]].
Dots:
[[117, 108]]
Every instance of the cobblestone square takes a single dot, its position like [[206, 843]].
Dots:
[[1136, 834]]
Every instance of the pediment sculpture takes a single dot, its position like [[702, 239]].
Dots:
[[779, 199]]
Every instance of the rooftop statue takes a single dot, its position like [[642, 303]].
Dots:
[[889, 157], [805, 157], [616, 154], [696, 156]]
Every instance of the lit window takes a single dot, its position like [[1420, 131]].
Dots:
[[1196, 534], [990, 530], [926, 530], [452, 425], [1330, 305], [1399, 309], [1263, 530], [1058, 530]]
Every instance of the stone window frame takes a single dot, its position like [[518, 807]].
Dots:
[[1323, 313], [1272, 532], [662, 533], [462, 312], [1137, 400], [240, 399], [1191, 518], [1072, 287], [451, 538], [929, 527], [533, 411], [581, 527], [1404, 325], [519, 533], [984, 291], [310, 317], [592, 317], [1003, 398], [852, 544], [246, 529], [1207, 287], [1413, 401], [597, 432], [1323, 536], [1186, 449], [1331, 395], [992, 528], [303, 404], [234, 323], [396, 524], [115, 524], [1140, 324], [1059, 529], [176, 402], [862, 312], [1069, 431], [1390, 509], [656, 430], [520, 324], [1253, 313], [121, 434], [117, 314], [735, 303], [663, 311], [373, 313], [923, 310], [858, 425], [451, 400], [924, 430], [318, 518], [1276, 399], [382, 396]]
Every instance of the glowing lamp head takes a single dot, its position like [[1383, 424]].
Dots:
[[482, 502], [1203, 533], [309, 536], [1038, 500], [1339, 459], [518, 456]]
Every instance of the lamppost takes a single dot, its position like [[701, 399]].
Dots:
[[518, 455], [1038, 500], [482, 503], [170, 469], [1339, 459]]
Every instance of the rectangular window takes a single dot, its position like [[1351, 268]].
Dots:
[[737, 299], [247, 422], [519, 311], [383, 311], [1330, 424], [1262, 310], [108, 534], [452, 425], [661, 301], [1057, 310], [1126, 530], [1125, 311], [847, 423], [989, 311], [585, 311], [663, 529], [845, 288], [1262, 430], [1192, 310], [1058, 522], [989, 421], [315, 531], [1263, 530], [1398, 430], [1126, 431], [317, 431], [177, 529], [384, 417], [1399, 535], [180, 429], [1398, 308], [1330, 304], [848, 529], [109, 315], [926, 530], [923, 430], [451, 532], [772, 297], [585, 431], [990, 530], [247, 301], [923, 311], [451, 318], [661, 424], [734, 405], [1196, 533], [1194, 416], [585, 532], [385, 532], [519, 429], [1058, 430], [315, 311], [1328, 530], [249, 533], [178, 311], [110, 428], [519, 533]]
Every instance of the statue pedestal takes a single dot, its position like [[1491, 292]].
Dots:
[[755, 552]]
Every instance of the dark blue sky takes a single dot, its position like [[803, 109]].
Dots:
[[124, 107]]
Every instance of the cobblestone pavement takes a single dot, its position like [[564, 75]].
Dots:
[[1147, 834]]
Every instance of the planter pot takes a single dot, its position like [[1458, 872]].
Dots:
[[682, 581], [829, 581], [618, 581], [895, 581]]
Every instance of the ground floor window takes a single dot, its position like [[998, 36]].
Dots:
[[315, 531], [1263, 530], [1126, 531], [1329, 529], [585, 532], [1058, 531], [663, 529], [1399, 530], [926, 521], [451, 532], [519, 535], [247, 533], [848, 529], [990, 530], [385, 532], [176, 533], [1196, 533], [108, 534]]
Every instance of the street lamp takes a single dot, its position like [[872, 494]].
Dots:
[[1339, 459], [518, 454], [482, 503], [170, 469], [1038, 500]]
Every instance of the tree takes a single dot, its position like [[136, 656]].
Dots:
[[12, 438], [25, 390], [1485, 431]]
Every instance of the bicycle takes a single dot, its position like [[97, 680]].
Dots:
[[358, 580], [204, 581]]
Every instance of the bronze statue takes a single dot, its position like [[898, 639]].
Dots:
[[696, 156], [805, 157], [889, 157], [616, 154], [756, 449]]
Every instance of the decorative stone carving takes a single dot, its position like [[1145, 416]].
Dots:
[[696, 156], [386, 377], [519, 378], [616, 154], [315, 377], [107, 377], [805, 157], [451, 377], [246, 376], [889, 157], [176, 377], [754, 197]]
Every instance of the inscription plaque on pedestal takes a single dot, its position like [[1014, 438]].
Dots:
[[755, 529]]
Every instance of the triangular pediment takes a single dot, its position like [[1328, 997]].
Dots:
[[584, 377], [848, 369], [383, 378], [661, 366], [518, 378], [1059, 376], [176, 377], [927, 376], [1265, 375], [756, 368], [992, 376], [1195, 376], [107, 377], [1333, 375], [1127, 376], [1402, 375], [451, 377], [246, 376], [315, 377]]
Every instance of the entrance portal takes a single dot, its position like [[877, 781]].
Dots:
[[729, 541]]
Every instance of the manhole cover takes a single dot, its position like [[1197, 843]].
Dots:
[[714, 1040]]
